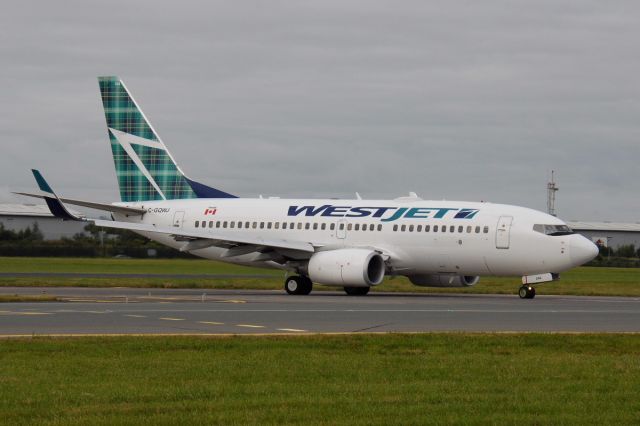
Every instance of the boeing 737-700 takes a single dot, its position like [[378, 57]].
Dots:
[[352, 244]]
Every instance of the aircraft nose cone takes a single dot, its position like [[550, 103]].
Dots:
[[582, 250]]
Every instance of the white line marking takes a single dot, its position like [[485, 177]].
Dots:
[[136, 316], [172, 319], [292, 329], [250, 326], [211, 322]]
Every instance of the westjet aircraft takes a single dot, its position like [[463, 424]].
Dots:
[[352, 244]]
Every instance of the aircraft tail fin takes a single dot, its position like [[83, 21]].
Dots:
[[144, 166]]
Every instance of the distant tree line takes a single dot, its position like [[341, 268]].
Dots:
[[96, 242]]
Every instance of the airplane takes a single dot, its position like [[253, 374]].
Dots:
[[351, 244]]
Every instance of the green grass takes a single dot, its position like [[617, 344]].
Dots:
[[10, 298], [365, 379], [580, 281]]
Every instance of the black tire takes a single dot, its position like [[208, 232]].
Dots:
[[356, 291], [292, 284], [532, 293], [306, 287], [298, 285], [523, 292], [527, 292]]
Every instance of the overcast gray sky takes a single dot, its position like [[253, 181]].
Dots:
[[461, 100]]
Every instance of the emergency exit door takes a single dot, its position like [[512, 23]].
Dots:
[[178, 218]]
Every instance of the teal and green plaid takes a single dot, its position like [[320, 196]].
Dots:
[[122, 114]]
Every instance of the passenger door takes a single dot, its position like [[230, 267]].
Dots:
[[503, 232]]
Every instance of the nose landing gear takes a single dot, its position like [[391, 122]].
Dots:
[[527, 292]]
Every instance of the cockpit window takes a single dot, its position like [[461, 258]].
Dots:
[[553, 230]]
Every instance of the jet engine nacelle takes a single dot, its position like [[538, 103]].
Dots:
[[444, 280], [347, 267]]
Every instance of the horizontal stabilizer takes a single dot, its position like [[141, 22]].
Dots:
[[131, 211], [53, 202]]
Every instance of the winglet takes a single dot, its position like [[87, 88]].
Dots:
[[53, 202]]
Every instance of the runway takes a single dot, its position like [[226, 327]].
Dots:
[[163, 311]]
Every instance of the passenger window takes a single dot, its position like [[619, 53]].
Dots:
[[284, 225], [268, 225], [349, 227], [217, 224], [261, 225], [239, 225], [372, 227], [197, 223], [452, 228], [232, 224], [276, 225], [357, 226], [477, 229], [247, 224], [468, 229], [419, 228], [224, 224], [307, 225], [364, 226], [323, 226], [403, 228], [315, 226], [395, 228], [342, 226], [443, 228], [332, 226], [410, 228], [435, 228], [299, 225], [255, 225], [427, 228], [486, 229], [379, 227]]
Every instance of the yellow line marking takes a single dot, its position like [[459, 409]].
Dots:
[[32, 313], [211, 322], [292, 329], [172, 319], [250, 326], [136, 316], [234, 301]]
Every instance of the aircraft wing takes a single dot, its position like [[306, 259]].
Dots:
[[202, 239]]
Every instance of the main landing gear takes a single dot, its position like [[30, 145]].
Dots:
[[297, 284], [527, 292]]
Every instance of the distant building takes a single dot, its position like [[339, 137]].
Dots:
[[16, 217], [609, 234]]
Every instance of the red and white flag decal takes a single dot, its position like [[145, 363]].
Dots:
[[210, 210]]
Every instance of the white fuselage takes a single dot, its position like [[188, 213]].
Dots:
[[418, 236]]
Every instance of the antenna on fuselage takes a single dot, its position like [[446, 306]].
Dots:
[[552, 188]]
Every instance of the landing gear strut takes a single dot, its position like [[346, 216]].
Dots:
[[297, 284], [527, 292]]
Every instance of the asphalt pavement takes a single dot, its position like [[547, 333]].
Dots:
[[177, 311]]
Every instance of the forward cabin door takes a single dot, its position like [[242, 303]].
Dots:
[[178, 218], [503, 232]]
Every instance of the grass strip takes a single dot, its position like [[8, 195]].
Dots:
[[584, 281], [358, 379]]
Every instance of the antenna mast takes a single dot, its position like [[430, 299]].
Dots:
[[551, 195]]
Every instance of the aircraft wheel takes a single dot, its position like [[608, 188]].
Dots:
[[298, 285], [527, 292], [356, 291]]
